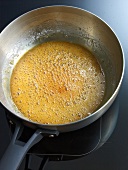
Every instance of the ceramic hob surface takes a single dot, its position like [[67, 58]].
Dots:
[[72, 144], [113, 155]]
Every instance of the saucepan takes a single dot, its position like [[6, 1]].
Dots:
[[56, 23]]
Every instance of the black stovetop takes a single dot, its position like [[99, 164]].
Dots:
[[113, 155]]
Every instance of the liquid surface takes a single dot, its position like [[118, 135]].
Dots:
[[57, 83]]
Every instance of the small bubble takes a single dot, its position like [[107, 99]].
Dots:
[[89, 114], [18, 93]]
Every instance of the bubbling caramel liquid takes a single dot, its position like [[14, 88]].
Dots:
[[57, 83]]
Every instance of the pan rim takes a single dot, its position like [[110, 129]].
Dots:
[[113, 96]]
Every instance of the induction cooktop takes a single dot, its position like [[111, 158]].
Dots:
[[113, 154], [65, 146]]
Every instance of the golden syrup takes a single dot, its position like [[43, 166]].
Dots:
[[57, 83]]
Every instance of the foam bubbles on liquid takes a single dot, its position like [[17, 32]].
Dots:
[[57, 83]]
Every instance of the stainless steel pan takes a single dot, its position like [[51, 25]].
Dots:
[[65, 24]]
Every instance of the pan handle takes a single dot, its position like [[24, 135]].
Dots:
[[17, 149]]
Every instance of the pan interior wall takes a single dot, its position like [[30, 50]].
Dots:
[[53, 30]]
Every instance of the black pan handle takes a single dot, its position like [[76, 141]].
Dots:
[[17, 149]]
